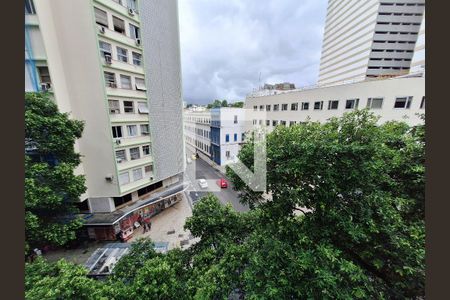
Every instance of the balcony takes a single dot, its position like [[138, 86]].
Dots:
[[131, 164], [120, 8], [125, 93], [123, 66], [128, 118], [117, 37], [131, 141]]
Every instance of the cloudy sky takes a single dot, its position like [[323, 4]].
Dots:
[[227, 44]]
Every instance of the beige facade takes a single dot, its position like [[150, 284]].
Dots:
[[400, 99], [96, 58]]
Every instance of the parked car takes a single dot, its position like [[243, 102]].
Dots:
[[202, 183], [222, 183]]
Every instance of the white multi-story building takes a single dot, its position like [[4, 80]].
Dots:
[[418, 60], [114, 64], [370, 38], [401, 99], [216, 134]]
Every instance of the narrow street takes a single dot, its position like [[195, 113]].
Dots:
[[198, 169]]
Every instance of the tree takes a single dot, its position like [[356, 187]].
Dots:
[[239, 104], [51, 188], [217, 104], [224, 103]]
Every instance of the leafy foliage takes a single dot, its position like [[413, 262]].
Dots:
[[344, 220], [217, 103], [51, 187]]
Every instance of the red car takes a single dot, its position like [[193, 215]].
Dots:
[[222, 183]]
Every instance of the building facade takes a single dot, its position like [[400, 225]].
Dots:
[[400, 99], [114, 64], [372, 38], [216, 134]]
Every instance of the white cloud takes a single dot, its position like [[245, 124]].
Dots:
[[225, 45]]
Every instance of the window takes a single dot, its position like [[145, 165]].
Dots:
[[110, 79], [140, 84], [260, 122], [291, 123], [284, 107], [148, 169], [422, 103], [227, 154], [333, 104], [121, 156], [134, 32], [137, 58], [146, 150], [351, 104], [268, 107], [294, 106], [276, 107], [255, 108], [283, 123], [142, 108], [114, 106], [132, 4], [128, 106], [132, 130], [261, 107], [117, 131], [227, 137], [134, 153], [119, 25], [235, 136], [243, 136], [124, 178], [274, 122], [267, 122], [144, 129], [122, 54], [318, 105], [137, 174], [101, 17], [254, 122], [235, 119], [105, 49], [44, 74], [305, 105], [29, 7], [403, 102], [375, 103], [125, 82]]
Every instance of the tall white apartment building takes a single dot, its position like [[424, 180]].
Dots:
[[114, 64], [418, 60], [216, 134], [370, 38], [394, 99]]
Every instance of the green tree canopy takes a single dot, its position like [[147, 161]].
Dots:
[[51, 188]]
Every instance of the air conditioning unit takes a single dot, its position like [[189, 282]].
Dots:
[[118, 142], [102, 29], [145, 133], [109, 177], [119, 160], [138, 42], [45, 86], [108, 59], [112, 84], [131, 12]]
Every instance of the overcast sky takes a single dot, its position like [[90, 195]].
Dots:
[[226, 44]]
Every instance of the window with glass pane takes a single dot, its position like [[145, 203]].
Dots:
[[422, 103], [101, 17], [276, 107], [268, 107], [235, 119], [227, 137], [105, 49], [114, 106], [403, 102], [124, 178], [119, 25], [110, 79], [125, 82], [134, 32], [146, 149], [333, 104], [137, 174], [144, 129], [140, 84], [267, 122], [294, 106], [351, 104], [132, 130], [318, 105], [29, 7], [121, 156], [255, 107], [284, 107], [128, 106], [261, 107], [274, 123], [305, 105], [142, 107], [375, 103], [44, 74], [134, 153], [132, 4], [148, 169], [137, 59], [122, 54], [117, 131]]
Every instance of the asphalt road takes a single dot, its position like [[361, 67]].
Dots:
[[200, 169]]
